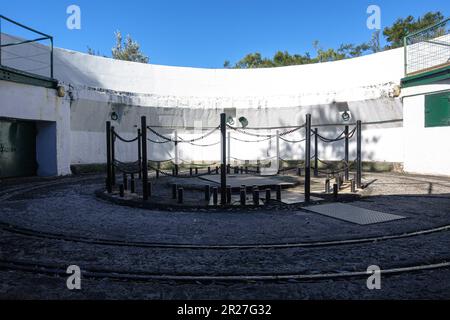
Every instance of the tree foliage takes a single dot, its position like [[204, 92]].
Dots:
[[402, 27], [394, 37], [128, 49]]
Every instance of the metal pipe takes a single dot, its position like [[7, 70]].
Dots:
[[144, 158], [316, 152], [223, 173], [308, 159], [108, 157], [346, 154], [278, 151], [113, 156], [139, 153], [358, 154]]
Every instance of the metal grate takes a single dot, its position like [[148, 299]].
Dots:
[[353, 214], [427, 49]]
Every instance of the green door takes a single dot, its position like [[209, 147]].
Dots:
[[437, 110], [17, 148]]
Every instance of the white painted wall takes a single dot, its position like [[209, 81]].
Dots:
[[25, 102], [427, 150]]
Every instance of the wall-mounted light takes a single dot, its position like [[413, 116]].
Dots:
[[114, 116], [61, 91]]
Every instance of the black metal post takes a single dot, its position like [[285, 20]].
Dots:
[[335, 191], [358, 154], [308, 159], [223, 171], [346, 155], [140, 153], [144, 159], [113, 156], [121, 191], [207, 193], [316, 152], [108, 157]]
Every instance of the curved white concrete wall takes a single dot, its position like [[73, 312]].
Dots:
[[191, 97]]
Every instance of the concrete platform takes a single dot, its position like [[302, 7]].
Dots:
[[236, 181]]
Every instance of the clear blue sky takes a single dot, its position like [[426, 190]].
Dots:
[[205, 33]]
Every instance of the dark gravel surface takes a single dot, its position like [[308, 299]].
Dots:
[[71, 208]]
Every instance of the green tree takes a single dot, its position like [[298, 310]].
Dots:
[[402, 27], [128, 50]]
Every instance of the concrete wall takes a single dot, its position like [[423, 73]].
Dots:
[[193, 97], [427, 150], [25, 102]]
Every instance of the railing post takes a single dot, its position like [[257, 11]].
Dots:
[[358, 154], [51, 58], [144, 164], [140, 153], [113, 156], [108, 157], [308, 159], [176, 152], [229, 149], [346, 155], [278, 151], [316, 152], [223, 171]]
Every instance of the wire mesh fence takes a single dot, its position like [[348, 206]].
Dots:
[[25, 49], [428, 49]]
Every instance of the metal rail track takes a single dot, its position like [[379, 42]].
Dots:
[[55, 270]]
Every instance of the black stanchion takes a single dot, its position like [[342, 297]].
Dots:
[[299, 172], [316, 152], [113, 156], [358, 154], [268, 195], [207, 193], [278, 192], [121, 191], [327, 185], [108, 157], [255, 196], [308, 159], [132, 184], [243, 195], [346, 176], [223, 171], [139, 152], [215, 196], [174, 191], [144, 165], [229, 194], [353, 186], [125, 181], [180, 195], [335, 191]]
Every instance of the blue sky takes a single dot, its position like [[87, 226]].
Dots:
[[205, 33]]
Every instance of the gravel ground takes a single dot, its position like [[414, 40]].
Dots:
[[71, 208]]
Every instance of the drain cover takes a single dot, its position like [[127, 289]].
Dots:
[[353, 214]]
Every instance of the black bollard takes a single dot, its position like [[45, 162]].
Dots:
[[125, 181], [353, 185], [256, 196], [132, 185], [207, 193], [190, 171], [229, 194], [157, 174], [268, 195], [215, 195], [299, 172], [278, 192], [335, 191], [209, 170], [327, 185], [149, 189], [228, 169], [180, 195], [173, 172], [242, 170], [217, 170], [122, 191], [243, 197], [196, 171], [258, 170], [174, 191]]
